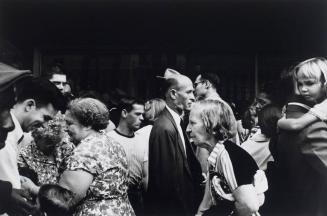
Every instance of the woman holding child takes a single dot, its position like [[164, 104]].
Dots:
[[230, 188]]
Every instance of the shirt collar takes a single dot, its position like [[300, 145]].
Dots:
[[18, 128], [175, 115]]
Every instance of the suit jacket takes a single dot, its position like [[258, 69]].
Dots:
[[302, 166], [174, 179]]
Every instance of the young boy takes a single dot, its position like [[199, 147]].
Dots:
[[55, 200]]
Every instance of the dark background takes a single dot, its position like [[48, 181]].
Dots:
[[123, 44]]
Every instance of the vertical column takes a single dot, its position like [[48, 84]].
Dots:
[[37, 62]]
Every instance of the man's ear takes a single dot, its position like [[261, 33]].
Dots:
[[173, 94], [207, 84], [29, 105], [124, 113]]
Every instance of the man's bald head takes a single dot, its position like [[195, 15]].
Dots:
[[179, 92]]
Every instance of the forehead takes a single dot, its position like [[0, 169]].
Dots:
[[58, 78], [48, 110], [138, 108], [195, 113], [69, 116]]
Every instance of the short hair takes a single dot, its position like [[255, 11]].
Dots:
[[315, 68], [55, 200], [126, 103], [54, 69], [212, 78], [90, 112], [217, 117], [157, 105], [267, 119], [42, 91]]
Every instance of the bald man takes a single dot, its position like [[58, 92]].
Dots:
[[174, 171]]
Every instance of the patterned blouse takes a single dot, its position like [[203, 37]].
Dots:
[[48, 171], [106, 160]]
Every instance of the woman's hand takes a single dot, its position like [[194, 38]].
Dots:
[[216, 182], [28, 185]]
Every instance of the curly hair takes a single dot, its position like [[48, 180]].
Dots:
[[52, 131], [217, 117], [90, 112]]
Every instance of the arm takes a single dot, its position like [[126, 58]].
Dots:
[[314, 147], [206, 201], [77, 181], [14, 201], [145, 179], [298, 123], [246, 200]]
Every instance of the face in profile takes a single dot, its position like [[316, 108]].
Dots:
[[60, 80], [196, 129], [184, 95], [36, 117], [74, 128], [199, 87]]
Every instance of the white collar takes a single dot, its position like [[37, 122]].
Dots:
[[175, 115], [18, 128]]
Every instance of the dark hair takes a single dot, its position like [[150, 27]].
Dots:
[[42, 91], [53, 69], [90, 112], [126, 103], [55, 200], [212, 78], [267, 119]]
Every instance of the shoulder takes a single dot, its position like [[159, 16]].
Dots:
[[244, 165]]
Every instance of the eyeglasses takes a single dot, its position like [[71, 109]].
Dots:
[[195, 84]]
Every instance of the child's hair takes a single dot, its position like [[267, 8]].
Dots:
[[55, 200], [315, 68]]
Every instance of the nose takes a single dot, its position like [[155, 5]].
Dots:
[[141, 117], [188, 128], [192, 98]]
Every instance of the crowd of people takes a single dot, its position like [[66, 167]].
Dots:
[[187, 153]]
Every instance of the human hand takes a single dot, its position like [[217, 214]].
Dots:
[[19, 205], [28, 185], [219, 190]]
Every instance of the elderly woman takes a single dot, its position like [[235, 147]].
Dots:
[[230, 188], [97, 169]]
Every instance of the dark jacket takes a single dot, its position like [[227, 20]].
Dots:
[[174, 179], [302, 167], [5, 194]]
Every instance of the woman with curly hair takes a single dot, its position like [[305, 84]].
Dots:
[[97, 171], [44, 157], [234, 186]]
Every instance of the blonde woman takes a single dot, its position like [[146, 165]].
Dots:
[[230, 189]]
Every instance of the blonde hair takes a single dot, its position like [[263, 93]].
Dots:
[[217, 117], [157, 105], [315, 68]]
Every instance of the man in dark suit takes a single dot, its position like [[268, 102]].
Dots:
[[174, 171]]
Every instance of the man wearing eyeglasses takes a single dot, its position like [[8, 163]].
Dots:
[[205, 87]]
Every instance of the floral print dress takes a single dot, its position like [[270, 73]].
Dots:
[[106, 160], [48, 171]]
